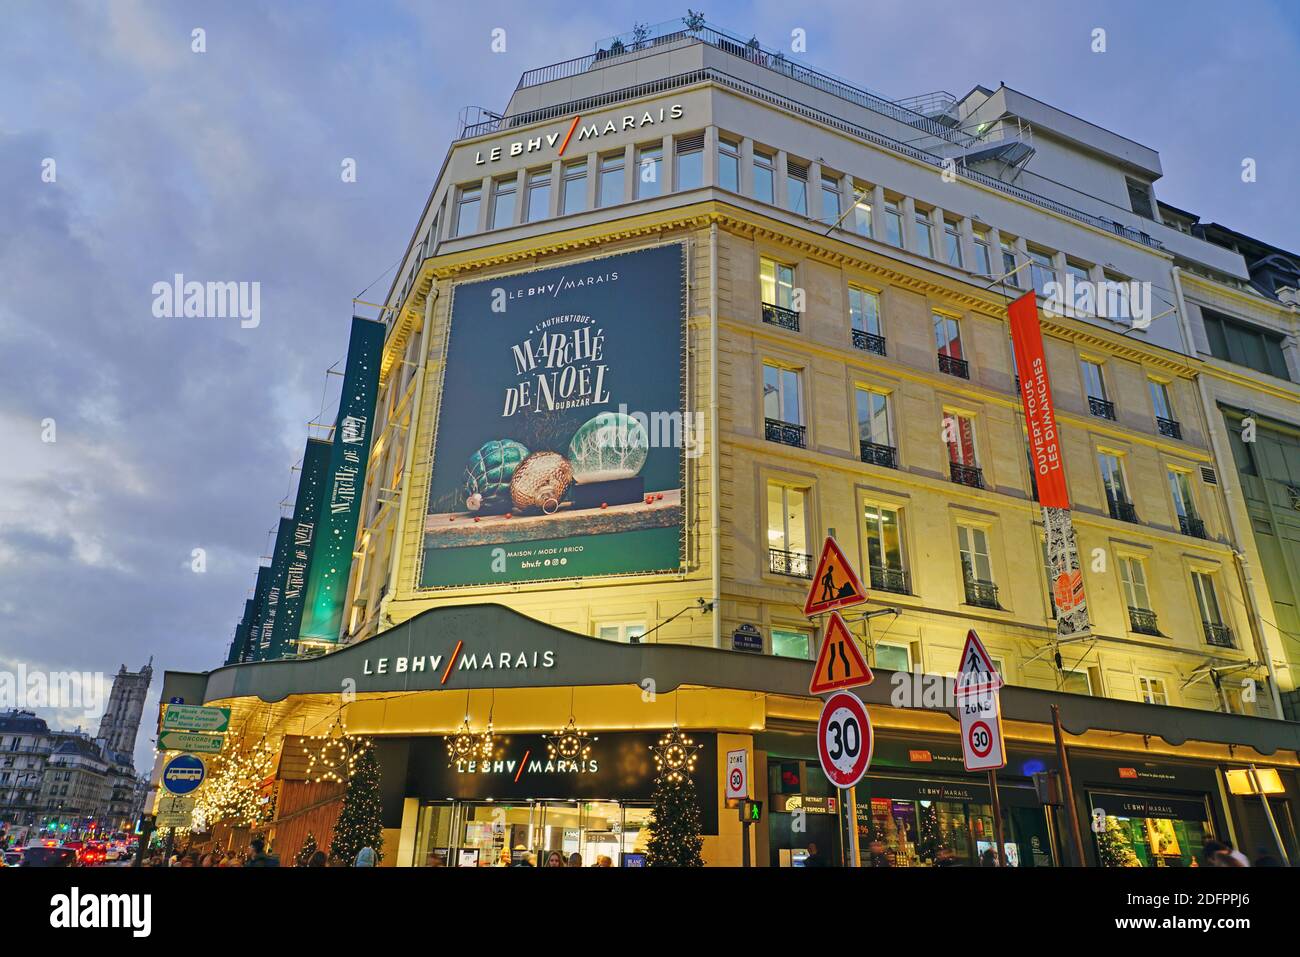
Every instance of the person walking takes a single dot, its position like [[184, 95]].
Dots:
[[365, 857], [260, 858]]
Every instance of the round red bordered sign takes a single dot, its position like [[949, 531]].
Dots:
[[844, 739], [980, 733], [737, 779]]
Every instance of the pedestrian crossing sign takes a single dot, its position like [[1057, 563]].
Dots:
[[840, 664], [835, 584]]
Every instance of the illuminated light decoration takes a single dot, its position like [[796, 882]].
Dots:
[[675, 756], [569, 743], [465, 745]]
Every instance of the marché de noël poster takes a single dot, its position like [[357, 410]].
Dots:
[[562, 430]]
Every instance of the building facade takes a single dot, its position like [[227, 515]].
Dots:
[[120, 724], [831, 272]]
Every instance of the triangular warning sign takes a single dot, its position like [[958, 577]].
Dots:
[[839, 663], [835, 584], [976, 673]]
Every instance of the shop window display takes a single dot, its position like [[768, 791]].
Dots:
[[1149, 833]]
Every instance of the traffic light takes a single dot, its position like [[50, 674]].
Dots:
[[751, 812]]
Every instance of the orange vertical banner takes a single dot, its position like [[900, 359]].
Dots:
[[1036, 393]]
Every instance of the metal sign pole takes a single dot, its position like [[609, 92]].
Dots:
[[1268, 813], [1067, 785], [999, 845]]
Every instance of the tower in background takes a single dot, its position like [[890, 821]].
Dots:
[[121, 721]]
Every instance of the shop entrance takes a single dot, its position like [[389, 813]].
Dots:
[[1132, 830], [496, 834]]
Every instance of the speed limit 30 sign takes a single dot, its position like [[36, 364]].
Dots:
[[844, 739]]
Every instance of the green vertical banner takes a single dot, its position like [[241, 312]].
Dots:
[[275, 590], [306, 517], [253, 623], [236, 654], [331, 563]]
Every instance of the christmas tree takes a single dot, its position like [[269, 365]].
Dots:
[[1114, 849], [675, 825], [308, 849], [360, 823]]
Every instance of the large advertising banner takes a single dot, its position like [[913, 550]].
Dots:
[[306, 517], [560, 440], [253, 623], [275, 590], [345, 482], [1049, 468]]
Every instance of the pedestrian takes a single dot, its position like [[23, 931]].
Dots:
[[554, 859], [259, 857], [317, 859], [575, 859], [604, 860], [814, 858], [365, 857]]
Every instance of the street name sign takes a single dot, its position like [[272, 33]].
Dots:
[[193, 741]]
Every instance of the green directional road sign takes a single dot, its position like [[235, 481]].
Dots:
[[188, 717], [190, 741]]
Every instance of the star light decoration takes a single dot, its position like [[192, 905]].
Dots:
[[675, 756], [333, 756], [569, 743], [466, 745]]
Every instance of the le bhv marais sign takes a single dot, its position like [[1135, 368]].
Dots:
[[592, 130]]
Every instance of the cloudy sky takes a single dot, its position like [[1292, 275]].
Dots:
[[177, 434]]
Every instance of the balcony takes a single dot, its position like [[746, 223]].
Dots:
[[1101, 408], [966, 475], [1142, 621], [889, 579], [868, 342], [1123, 511], [983, 594], [1169, 427], [951, 365], [787, 433], [1191, 525], [780, 316], [1218, 635], [886, 456], [794, 564]]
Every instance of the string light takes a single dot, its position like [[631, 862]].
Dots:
[[675, 756], [569, 743]]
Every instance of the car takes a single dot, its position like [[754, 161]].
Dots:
[[41, 856], [91, 854], [13, 858], [112, 854]]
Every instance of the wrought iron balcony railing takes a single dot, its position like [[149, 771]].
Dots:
[[1169, 427], [886, 456], [1219, 635], [1142, 621], [951, 365], [884, 578], [794, 564], [1123, 511], [1191, 525], [787, 433], [775, 315], [868, 342], [981, 593], [1101, 408], [966, 475]]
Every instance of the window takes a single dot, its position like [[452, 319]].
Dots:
[[947, 335], [924, 234], [764, 177], [983, 253], [1166, 421], [791, 643], [690, 162], [893, 657], [873, 417], [611, 179], [1152, 690], [787, 530], [1076, 682], [1078, 270], [575, 187], [1094, 387], [624, 631], [862, 210], [1244, 344], [864, 310], [781, 394], [976, 569], [729, 164], [539, 195], [1180, 490], [1041, 270], [797, 186], [776, 281], [1207, 599], [503, 202], [884, 549], [1009, 262], [893, 225], [1112, 480], [1139, 198], [830, 199], [649, 165], [467, 204], [959, 436], [1133, 576], [952, 242]]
